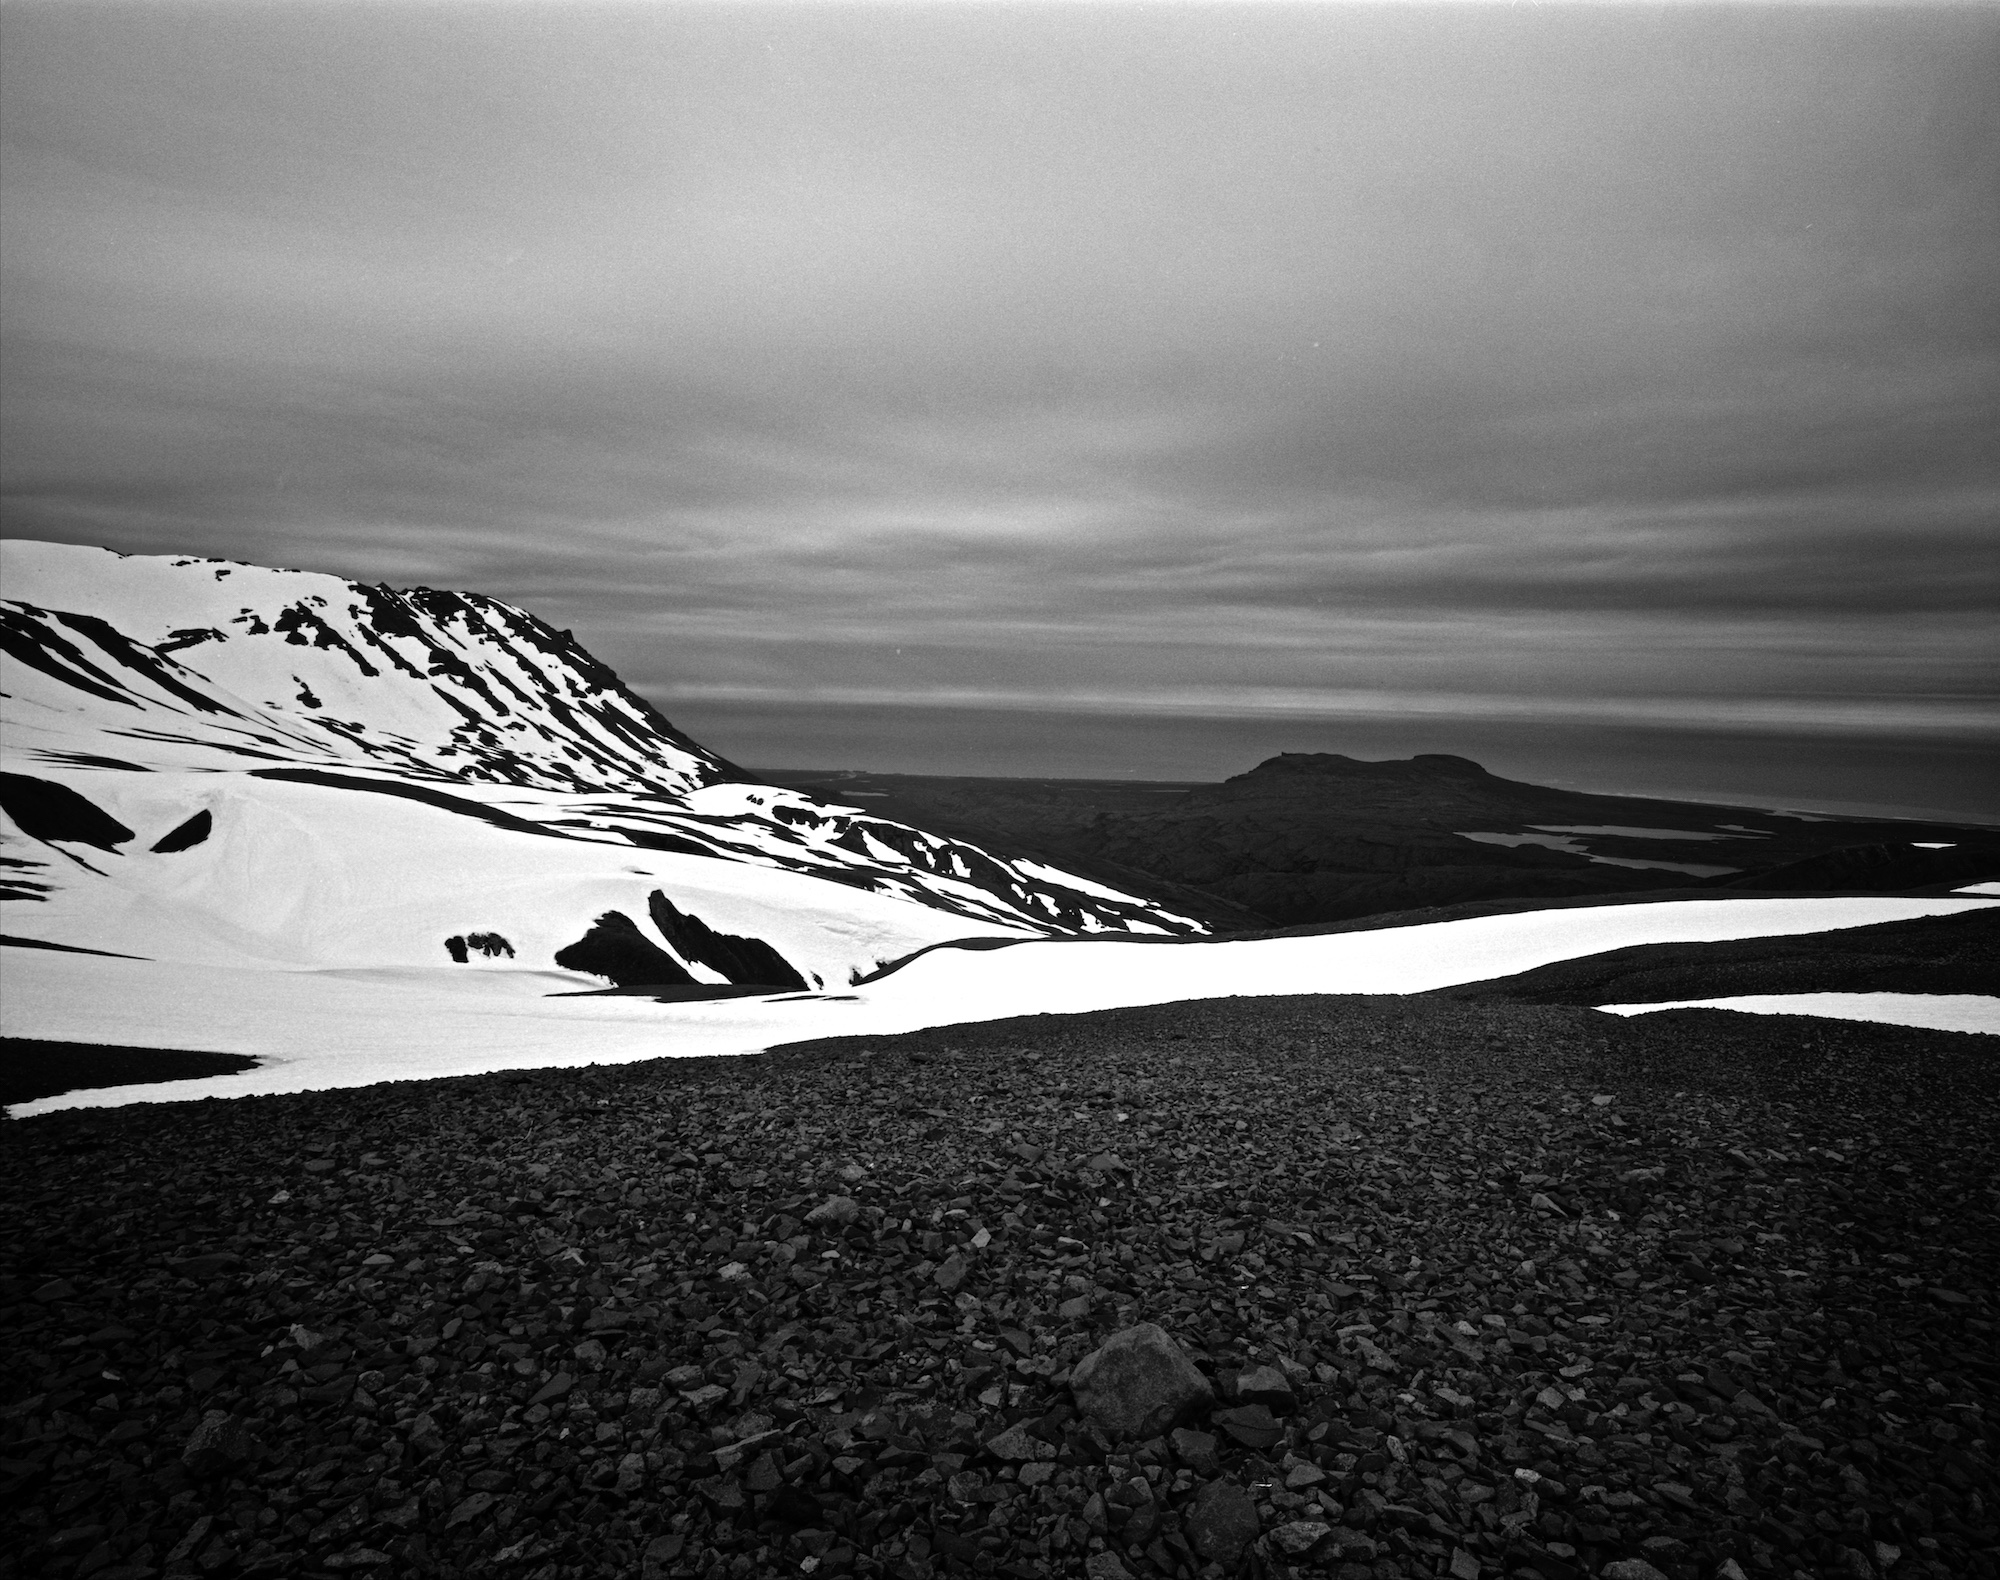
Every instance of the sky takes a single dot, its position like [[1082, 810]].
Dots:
[[1607, 392]]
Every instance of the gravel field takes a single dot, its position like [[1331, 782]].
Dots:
[[1473, 1289]]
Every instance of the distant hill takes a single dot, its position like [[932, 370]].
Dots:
[[1319, 837]]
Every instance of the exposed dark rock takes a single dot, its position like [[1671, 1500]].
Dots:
[[739, 960], [615, 948], [186, 835], [45, 810]]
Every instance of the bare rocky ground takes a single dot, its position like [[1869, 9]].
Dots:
[[1477, 1289]]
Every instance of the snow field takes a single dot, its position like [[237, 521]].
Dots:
[[356, 1027]]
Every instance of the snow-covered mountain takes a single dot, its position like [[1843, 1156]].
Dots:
[[216, 762]]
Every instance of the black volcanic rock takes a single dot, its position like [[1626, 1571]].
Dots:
[[615, 948], [743, 961], [43, 810], [187, 835]]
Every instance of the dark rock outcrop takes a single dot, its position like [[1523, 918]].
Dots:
[[743, 961], [44, 810], [187, 835], [614, 948]]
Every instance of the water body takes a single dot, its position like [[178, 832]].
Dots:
[[1576, 847], [1630, 833]]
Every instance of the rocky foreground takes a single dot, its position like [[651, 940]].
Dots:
[[1435, 1289]]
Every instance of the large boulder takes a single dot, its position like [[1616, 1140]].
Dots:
[[1138, 1383]]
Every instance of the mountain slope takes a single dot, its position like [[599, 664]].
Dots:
[[219, 762]]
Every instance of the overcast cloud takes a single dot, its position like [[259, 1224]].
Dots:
[[1619, 363]]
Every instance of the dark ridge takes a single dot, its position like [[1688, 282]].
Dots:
[[614, 948], [31, 1068], [672, 844], [189, 636], [48, 811], [139, 659], [67, 949], [189, 834], [741, 960], [1876, 869], [1929, 954], [976, 945], [88, 760], [36, 645]]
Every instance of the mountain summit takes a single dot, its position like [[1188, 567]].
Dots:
[[213, 761]]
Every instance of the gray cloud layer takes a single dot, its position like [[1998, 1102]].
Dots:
[[1582, 363]]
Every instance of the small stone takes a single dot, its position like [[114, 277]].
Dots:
[[1106, 1566], [951, 1273], [469, 1509], [1463, 1565], [657, 1560], [1266, 1385], [1016, 1444], [218, 1444], [1252, 1425], [1074, 1310], [1296, 1538], [1138, 1383], [837, 1211], [1196, 1450], [1303, 1475], [631, 1474], [1221, 1522], [1631, 1569]]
